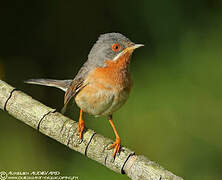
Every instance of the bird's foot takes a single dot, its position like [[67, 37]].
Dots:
[[116, 145], [81, 128]]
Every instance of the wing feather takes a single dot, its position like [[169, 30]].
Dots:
[[76, 86]]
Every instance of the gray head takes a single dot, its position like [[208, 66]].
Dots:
[[110, 46]]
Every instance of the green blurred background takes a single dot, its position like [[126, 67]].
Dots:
[[174, 113]]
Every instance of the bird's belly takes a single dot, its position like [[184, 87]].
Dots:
[[119, 99], [94, 100], [99, 100]]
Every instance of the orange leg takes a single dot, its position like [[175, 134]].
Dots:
[[116, 144], [81, 125]]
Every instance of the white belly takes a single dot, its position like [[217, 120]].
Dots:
[[118, 100], [101, 101]]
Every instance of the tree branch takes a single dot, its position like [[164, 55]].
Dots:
[[65, 130]]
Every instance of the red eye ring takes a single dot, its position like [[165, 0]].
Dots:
[[116, 47]]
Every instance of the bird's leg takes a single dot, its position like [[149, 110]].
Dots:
[[116, 144], [80, 125]]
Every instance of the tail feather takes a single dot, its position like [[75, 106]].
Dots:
[[61, 84]]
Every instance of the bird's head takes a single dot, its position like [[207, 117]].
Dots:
[[111, 46]]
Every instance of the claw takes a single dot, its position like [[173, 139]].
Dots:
[[116, 146]]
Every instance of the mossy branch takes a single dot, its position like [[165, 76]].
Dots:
[[64, 130]]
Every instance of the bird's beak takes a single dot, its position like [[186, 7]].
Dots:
[[137, 46], [133, 47]]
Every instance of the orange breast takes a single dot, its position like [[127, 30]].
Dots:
[[115, 73]]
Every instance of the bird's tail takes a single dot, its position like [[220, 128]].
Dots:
[[61, 84]]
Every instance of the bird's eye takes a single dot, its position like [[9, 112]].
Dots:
[[116, 47]]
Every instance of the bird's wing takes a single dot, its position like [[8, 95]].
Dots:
[[72, 91], [78, 83]]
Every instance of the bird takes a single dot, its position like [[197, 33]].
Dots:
[[103, 83]]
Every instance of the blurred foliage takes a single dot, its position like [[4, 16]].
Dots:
[[1, 70], [173, 115]]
